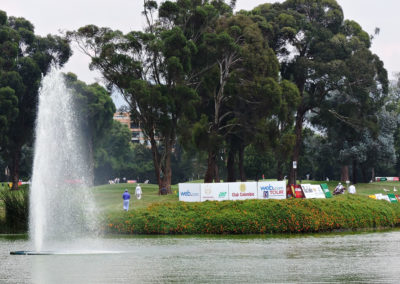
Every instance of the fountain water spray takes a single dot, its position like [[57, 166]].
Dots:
[[61, 205]]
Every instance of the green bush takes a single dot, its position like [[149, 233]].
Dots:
[[258, 216], [16, 207]]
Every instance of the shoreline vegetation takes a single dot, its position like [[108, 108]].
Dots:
[[162, 215], [342, 213]]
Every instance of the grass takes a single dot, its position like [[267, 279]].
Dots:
[[109, 197]]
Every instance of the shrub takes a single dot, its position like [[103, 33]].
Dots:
[[258, 216], [16, 207]]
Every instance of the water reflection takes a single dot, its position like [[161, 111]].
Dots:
[[365, 258]]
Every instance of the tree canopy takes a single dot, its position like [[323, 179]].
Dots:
[[24, 59]]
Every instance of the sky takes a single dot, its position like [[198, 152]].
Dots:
[[52, 17]]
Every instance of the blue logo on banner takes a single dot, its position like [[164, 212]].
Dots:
[[189, 194], [269, 187]]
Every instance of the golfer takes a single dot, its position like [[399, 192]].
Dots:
[[138, 192], [126, 196]]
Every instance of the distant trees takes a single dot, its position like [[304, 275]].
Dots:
[[96, 110], [24, 59], [216, 92]]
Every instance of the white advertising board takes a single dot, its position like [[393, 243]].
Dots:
[[242, 190], [189, 192], [313, 191], [214, 191], [271, 190]]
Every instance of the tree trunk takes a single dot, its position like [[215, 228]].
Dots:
[[15, 168], [297, 146], [279, 171], [364, 173], [230, 165], [373, 174], [156, 162], [216, 171], [241, 163], [344, 175], [168, 170], [211, 164], [354, 171]]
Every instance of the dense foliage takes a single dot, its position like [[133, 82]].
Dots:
[[24, 59], [16, 208], [218, 95]]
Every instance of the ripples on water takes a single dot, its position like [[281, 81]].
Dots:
[[358, 258]]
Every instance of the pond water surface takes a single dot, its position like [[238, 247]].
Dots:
[[358, 258]]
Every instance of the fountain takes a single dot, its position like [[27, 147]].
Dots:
[[62, 215]]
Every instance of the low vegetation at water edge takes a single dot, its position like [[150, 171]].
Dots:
[[345, 212]]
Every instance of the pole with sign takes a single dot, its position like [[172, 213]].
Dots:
[[295, 171]]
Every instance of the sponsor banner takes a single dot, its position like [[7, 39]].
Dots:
[[242, 190], [325, 189], [189, 192], [381, 196], [392, 198], [131, 181], [313, 191], [387, 179], [214, 191], [271, 190]]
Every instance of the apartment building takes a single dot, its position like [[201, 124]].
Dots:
[[137, 134]]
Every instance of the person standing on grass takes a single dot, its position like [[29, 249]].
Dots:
[[352, 189], [138, 192], [126, 196]]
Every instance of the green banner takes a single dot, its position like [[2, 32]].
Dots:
[[392, 198], [325, 188]]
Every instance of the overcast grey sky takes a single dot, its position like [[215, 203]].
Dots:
[[51, 16]]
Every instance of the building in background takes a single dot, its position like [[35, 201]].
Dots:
[[136, 131]]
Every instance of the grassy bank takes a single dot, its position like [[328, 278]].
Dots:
[[155, 214], [345, 212]]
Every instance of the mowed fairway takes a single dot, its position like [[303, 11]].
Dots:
[[109, 197]]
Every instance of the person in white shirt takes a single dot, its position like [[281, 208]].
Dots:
[[138, 192], [352, 189]]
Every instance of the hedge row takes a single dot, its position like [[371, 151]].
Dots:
[[346, 212]]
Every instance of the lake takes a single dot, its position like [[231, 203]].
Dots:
[[342, 257]]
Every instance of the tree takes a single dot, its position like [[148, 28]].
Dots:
[[314, 42], [153, 69], [24, 59], [241, 89], [96, 110]]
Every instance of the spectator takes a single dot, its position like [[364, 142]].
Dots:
[[352, 189], [138, 192], [126, 196]]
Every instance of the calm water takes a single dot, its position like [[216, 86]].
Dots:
[[358, 258]]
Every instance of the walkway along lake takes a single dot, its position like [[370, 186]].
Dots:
[[362, 258]]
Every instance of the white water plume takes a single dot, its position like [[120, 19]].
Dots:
[[61, 205]]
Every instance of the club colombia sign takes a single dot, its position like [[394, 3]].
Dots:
[[271, 190], [242, 190]]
